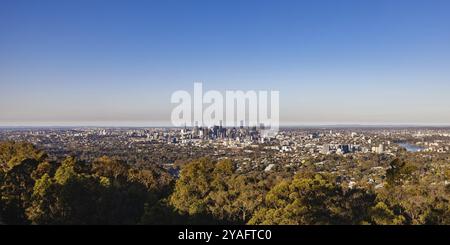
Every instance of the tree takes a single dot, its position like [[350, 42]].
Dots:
[[16, 191], [311, 200], [193, 187], [108, 167], [68, 198], [43, 168], [381, 214], [73, 196], [12, 153], [438, 213], [42, 206], [75, 192], [213, 192], [249, 197], [398, 172]]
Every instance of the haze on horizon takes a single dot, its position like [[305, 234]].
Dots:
[[117, 62]]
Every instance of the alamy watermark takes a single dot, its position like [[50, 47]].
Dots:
[[233, 108]]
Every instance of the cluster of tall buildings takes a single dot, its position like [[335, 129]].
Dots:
[[221, 132], [340, 148]]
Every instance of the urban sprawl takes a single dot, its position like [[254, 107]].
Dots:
[[357, 156]]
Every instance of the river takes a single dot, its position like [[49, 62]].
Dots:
[[411, 147]]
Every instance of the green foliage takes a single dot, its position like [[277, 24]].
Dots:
[[398, 172], [16, 191], [39, 192], [313, 200], [66, 171], [111, 168], [34, 190], [381, 214], [12, 153], [44, 168], [438, 213], [193, 187], [18, 162], [206, 188], [73, 197]]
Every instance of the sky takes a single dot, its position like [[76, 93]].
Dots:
[[117, 62]]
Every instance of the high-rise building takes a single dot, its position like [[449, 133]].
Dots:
[[381, 149], [196, 131]]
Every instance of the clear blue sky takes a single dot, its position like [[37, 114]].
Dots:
[[117, 62]]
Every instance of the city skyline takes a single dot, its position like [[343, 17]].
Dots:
[[98, 63]]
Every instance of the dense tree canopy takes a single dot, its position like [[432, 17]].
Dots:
[[35, 190], [206, 188], [314, 200]]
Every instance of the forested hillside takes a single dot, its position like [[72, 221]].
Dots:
[[35, 190]]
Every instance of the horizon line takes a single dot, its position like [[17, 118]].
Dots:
[[315, 125]]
